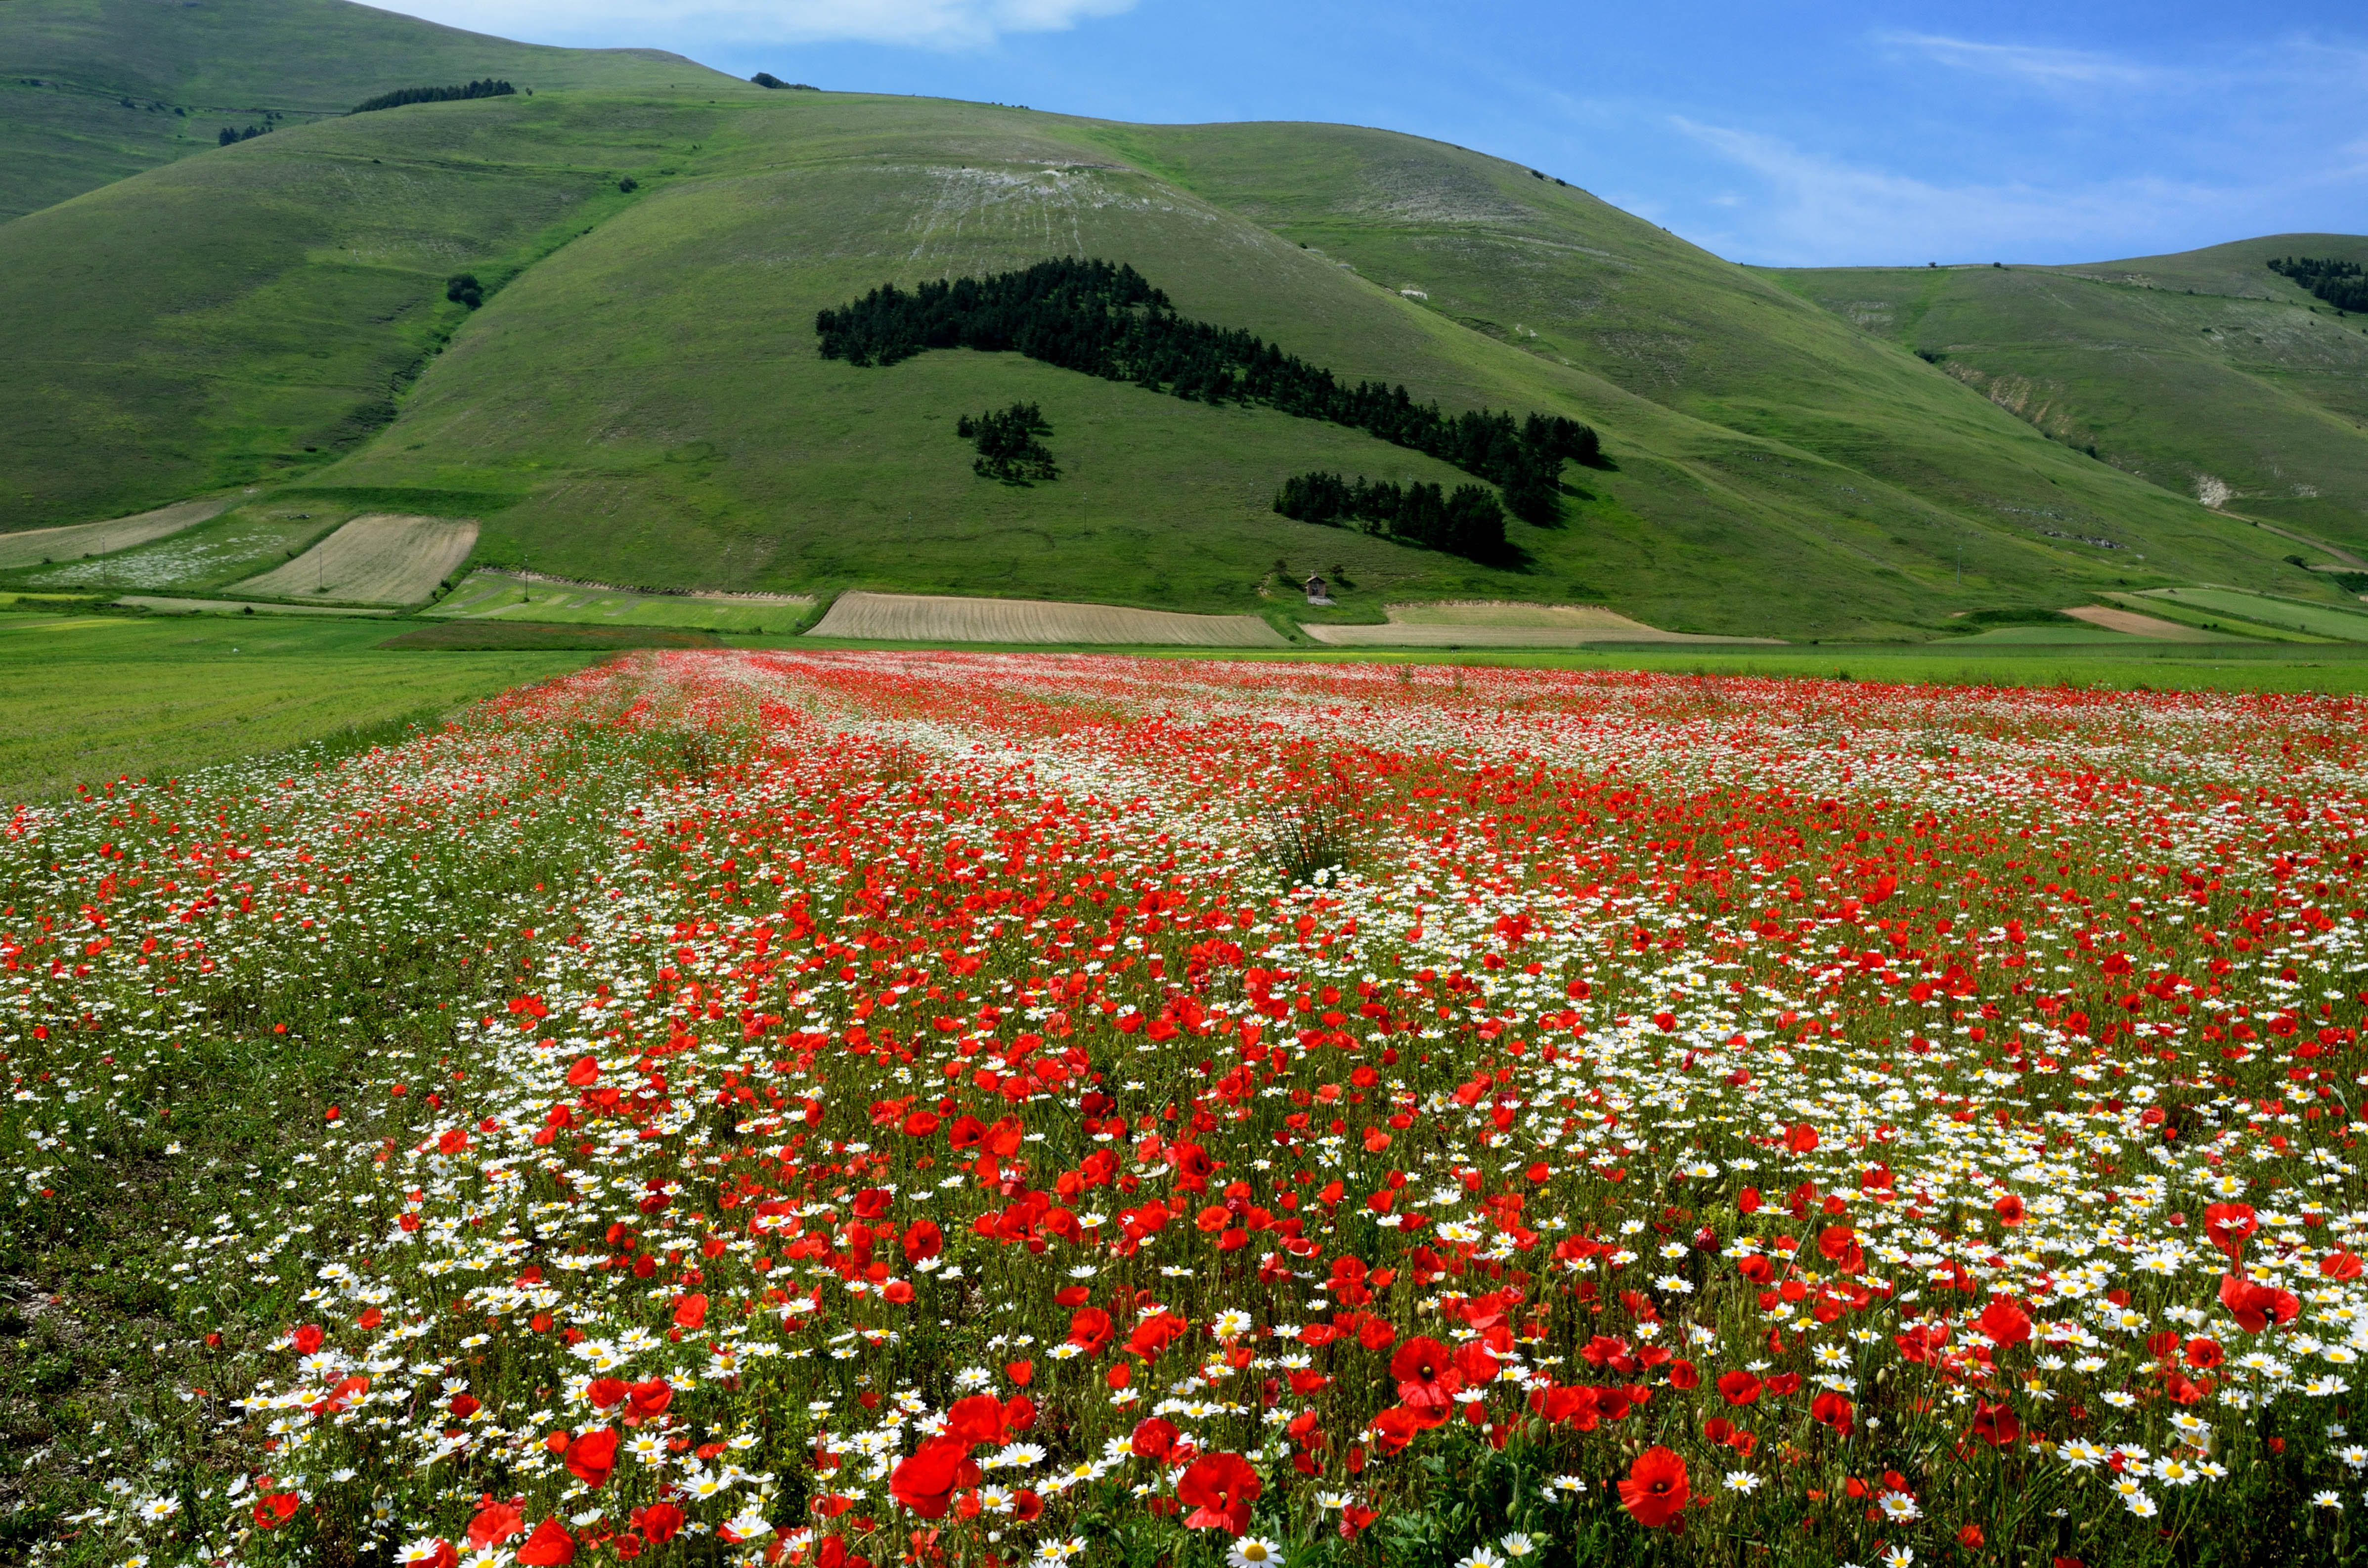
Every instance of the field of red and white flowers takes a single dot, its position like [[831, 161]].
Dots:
[[876, 1108]]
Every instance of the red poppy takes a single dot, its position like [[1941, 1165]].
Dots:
[[1995, 1423], [1834, 1410], [2004, 1323], [2010, 1210], [926, 1481], [1090, 1330], [2254, 1306], [592, 1456], [1801, 1139], [1425, 1374], [1220, 1489], [495, 1523], [2203, 1354], [1656, 1491], [2228, 1226], [606, 1391], [650, 1398], [978, 1419], [689, 1311], [2340, 1264], [923, 1240], [548, 1547], [1156, 1334], [308, 1338], [583, 1074], [1738, 1388], [1154, 1439], [658, 1522], [276, 1509], [1683, 1376]]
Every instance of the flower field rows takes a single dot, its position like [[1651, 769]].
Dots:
[[859, 1110]]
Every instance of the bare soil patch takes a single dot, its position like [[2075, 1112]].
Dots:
[[381, 558], [1497, 624], [2138, 625], [929, 617]]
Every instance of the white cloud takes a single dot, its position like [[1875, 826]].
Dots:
[[930, 24], [2041, 67], [1817, 211]]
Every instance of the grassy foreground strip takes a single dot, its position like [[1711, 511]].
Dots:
[[94, 697], [848, 1109]]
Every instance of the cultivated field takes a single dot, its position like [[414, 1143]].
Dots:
[[378, 558], [2263, 609], [919, 618], [1074, 1110], [36, 546], [512, 596], [2137, 625], [1504, 625]]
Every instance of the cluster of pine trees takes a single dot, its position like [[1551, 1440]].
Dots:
[[1105, 320], [230, 133], [1007, 446], [488, 88], [1468, 523], [2341, 284]]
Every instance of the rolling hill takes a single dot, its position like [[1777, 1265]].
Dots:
[[2204, 373], [641, 398], [93, 91]]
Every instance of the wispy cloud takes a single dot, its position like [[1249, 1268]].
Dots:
[[2026, 63], [1814, 209], [928, 24]]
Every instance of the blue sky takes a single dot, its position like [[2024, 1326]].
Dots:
[[1768, 133]]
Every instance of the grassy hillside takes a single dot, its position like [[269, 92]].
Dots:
[[700, 432], [640, 399], [2204, 373], [93, 91], [1554, 272]]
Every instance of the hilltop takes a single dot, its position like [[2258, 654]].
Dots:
[[94, 91], [639, 396]]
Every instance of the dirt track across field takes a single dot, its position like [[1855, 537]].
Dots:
[[379, 558], [2138, 625], [1497, 625], [73, 542], [923, 618]]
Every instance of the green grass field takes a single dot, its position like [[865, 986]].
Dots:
[[92, 697], [2199, 372]]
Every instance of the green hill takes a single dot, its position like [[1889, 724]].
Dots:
[[92, 91], [2204, 373], [641, 398]]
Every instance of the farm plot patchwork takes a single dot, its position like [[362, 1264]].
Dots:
[[34, 545], [856, 1108], [379, 558]]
